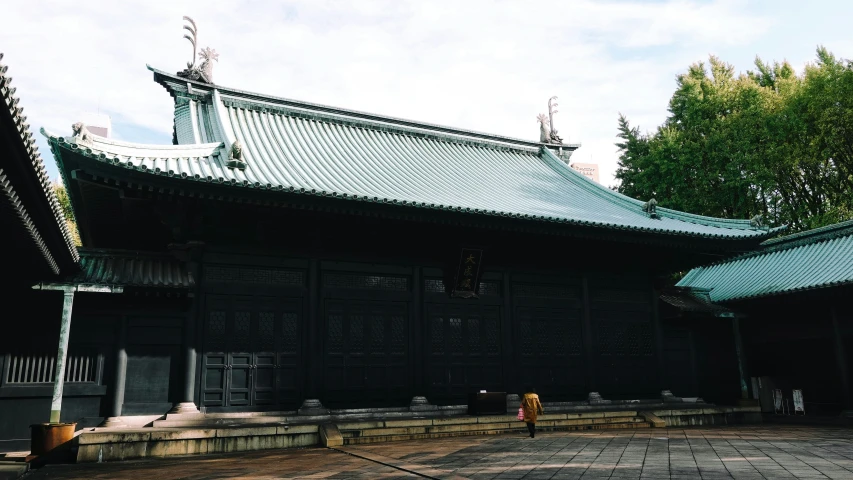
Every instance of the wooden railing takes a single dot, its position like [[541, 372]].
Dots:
[[32, 368]]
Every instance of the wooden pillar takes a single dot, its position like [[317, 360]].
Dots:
[[313, 325], [509, 372], [187, 399], [119, 377], [589, 348], [658, 331], [741, 359], [61, 355], [841, 359], [417, 331]]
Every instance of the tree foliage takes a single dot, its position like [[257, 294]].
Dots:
[[65, 203], [766, 142]]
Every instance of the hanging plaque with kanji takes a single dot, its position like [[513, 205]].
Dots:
[[467, 273]]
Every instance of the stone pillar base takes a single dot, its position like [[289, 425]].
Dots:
[[421, 404], [112, 422], [595, 399], [183, 408], [312, 406]]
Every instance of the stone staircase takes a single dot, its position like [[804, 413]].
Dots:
[[362, 432]]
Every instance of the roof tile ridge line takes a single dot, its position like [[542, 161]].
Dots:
[[10, 100], [379, 125], [222, 120], [826, 236], [53, 143], [344, 111], [670, 213], [590, 185], [774, 249], [814, 234], [126, 253], [24, 217], [121, 143]]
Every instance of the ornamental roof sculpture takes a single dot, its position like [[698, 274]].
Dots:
[[244, 141], [547, 133], [203, 72]]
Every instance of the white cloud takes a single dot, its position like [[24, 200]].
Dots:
[[478, 64]]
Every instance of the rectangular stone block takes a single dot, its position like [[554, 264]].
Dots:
[[585, 415], [112, 437], [167, 448], [244, 431], [111, 452], [454, 420], [419, 422], [160, 435], [295, 429], [629, 413], [498, 419], [359, 425]]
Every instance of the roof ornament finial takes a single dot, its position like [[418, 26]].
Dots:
[[547, 134], [203, 72], [651, 207], [81, 134]]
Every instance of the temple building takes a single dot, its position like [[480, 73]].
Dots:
[[791, 299], [281, 254]]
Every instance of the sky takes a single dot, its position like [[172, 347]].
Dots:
[[480, 65]]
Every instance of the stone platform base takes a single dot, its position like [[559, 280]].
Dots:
[[115, 444]]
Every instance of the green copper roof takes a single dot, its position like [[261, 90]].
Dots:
[[817, 258], [312, 149], [130, 268], [30, 165]]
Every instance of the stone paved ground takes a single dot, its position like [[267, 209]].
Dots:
[[743, 452]]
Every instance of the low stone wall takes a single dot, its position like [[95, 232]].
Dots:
[[115, 445], [709, 416]]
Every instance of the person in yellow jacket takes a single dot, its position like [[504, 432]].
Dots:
[[532, 407]]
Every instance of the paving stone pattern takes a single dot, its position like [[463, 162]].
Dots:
[[742, 452]]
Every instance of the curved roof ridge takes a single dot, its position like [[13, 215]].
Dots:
[[255, 97], [629, 202], [812, 236], [787, 242], [10, 101], [141, 150]]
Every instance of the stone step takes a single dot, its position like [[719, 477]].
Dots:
[[416, 433], [213, 420]]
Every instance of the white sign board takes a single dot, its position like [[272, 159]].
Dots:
[[799, 406]]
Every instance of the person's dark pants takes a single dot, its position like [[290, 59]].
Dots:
[[531, 427]]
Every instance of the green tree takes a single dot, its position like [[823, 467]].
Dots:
[[765, 142], [67, 211]]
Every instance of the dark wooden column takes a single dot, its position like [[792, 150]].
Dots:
[[313, 326], [841, 359], [187, 400], [589, 348], [416, 336], [509, 373], [119, 377], [658, 330], [741, 359]]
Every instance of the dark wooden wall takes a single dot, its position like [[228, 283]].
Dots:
[[31, 330]]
